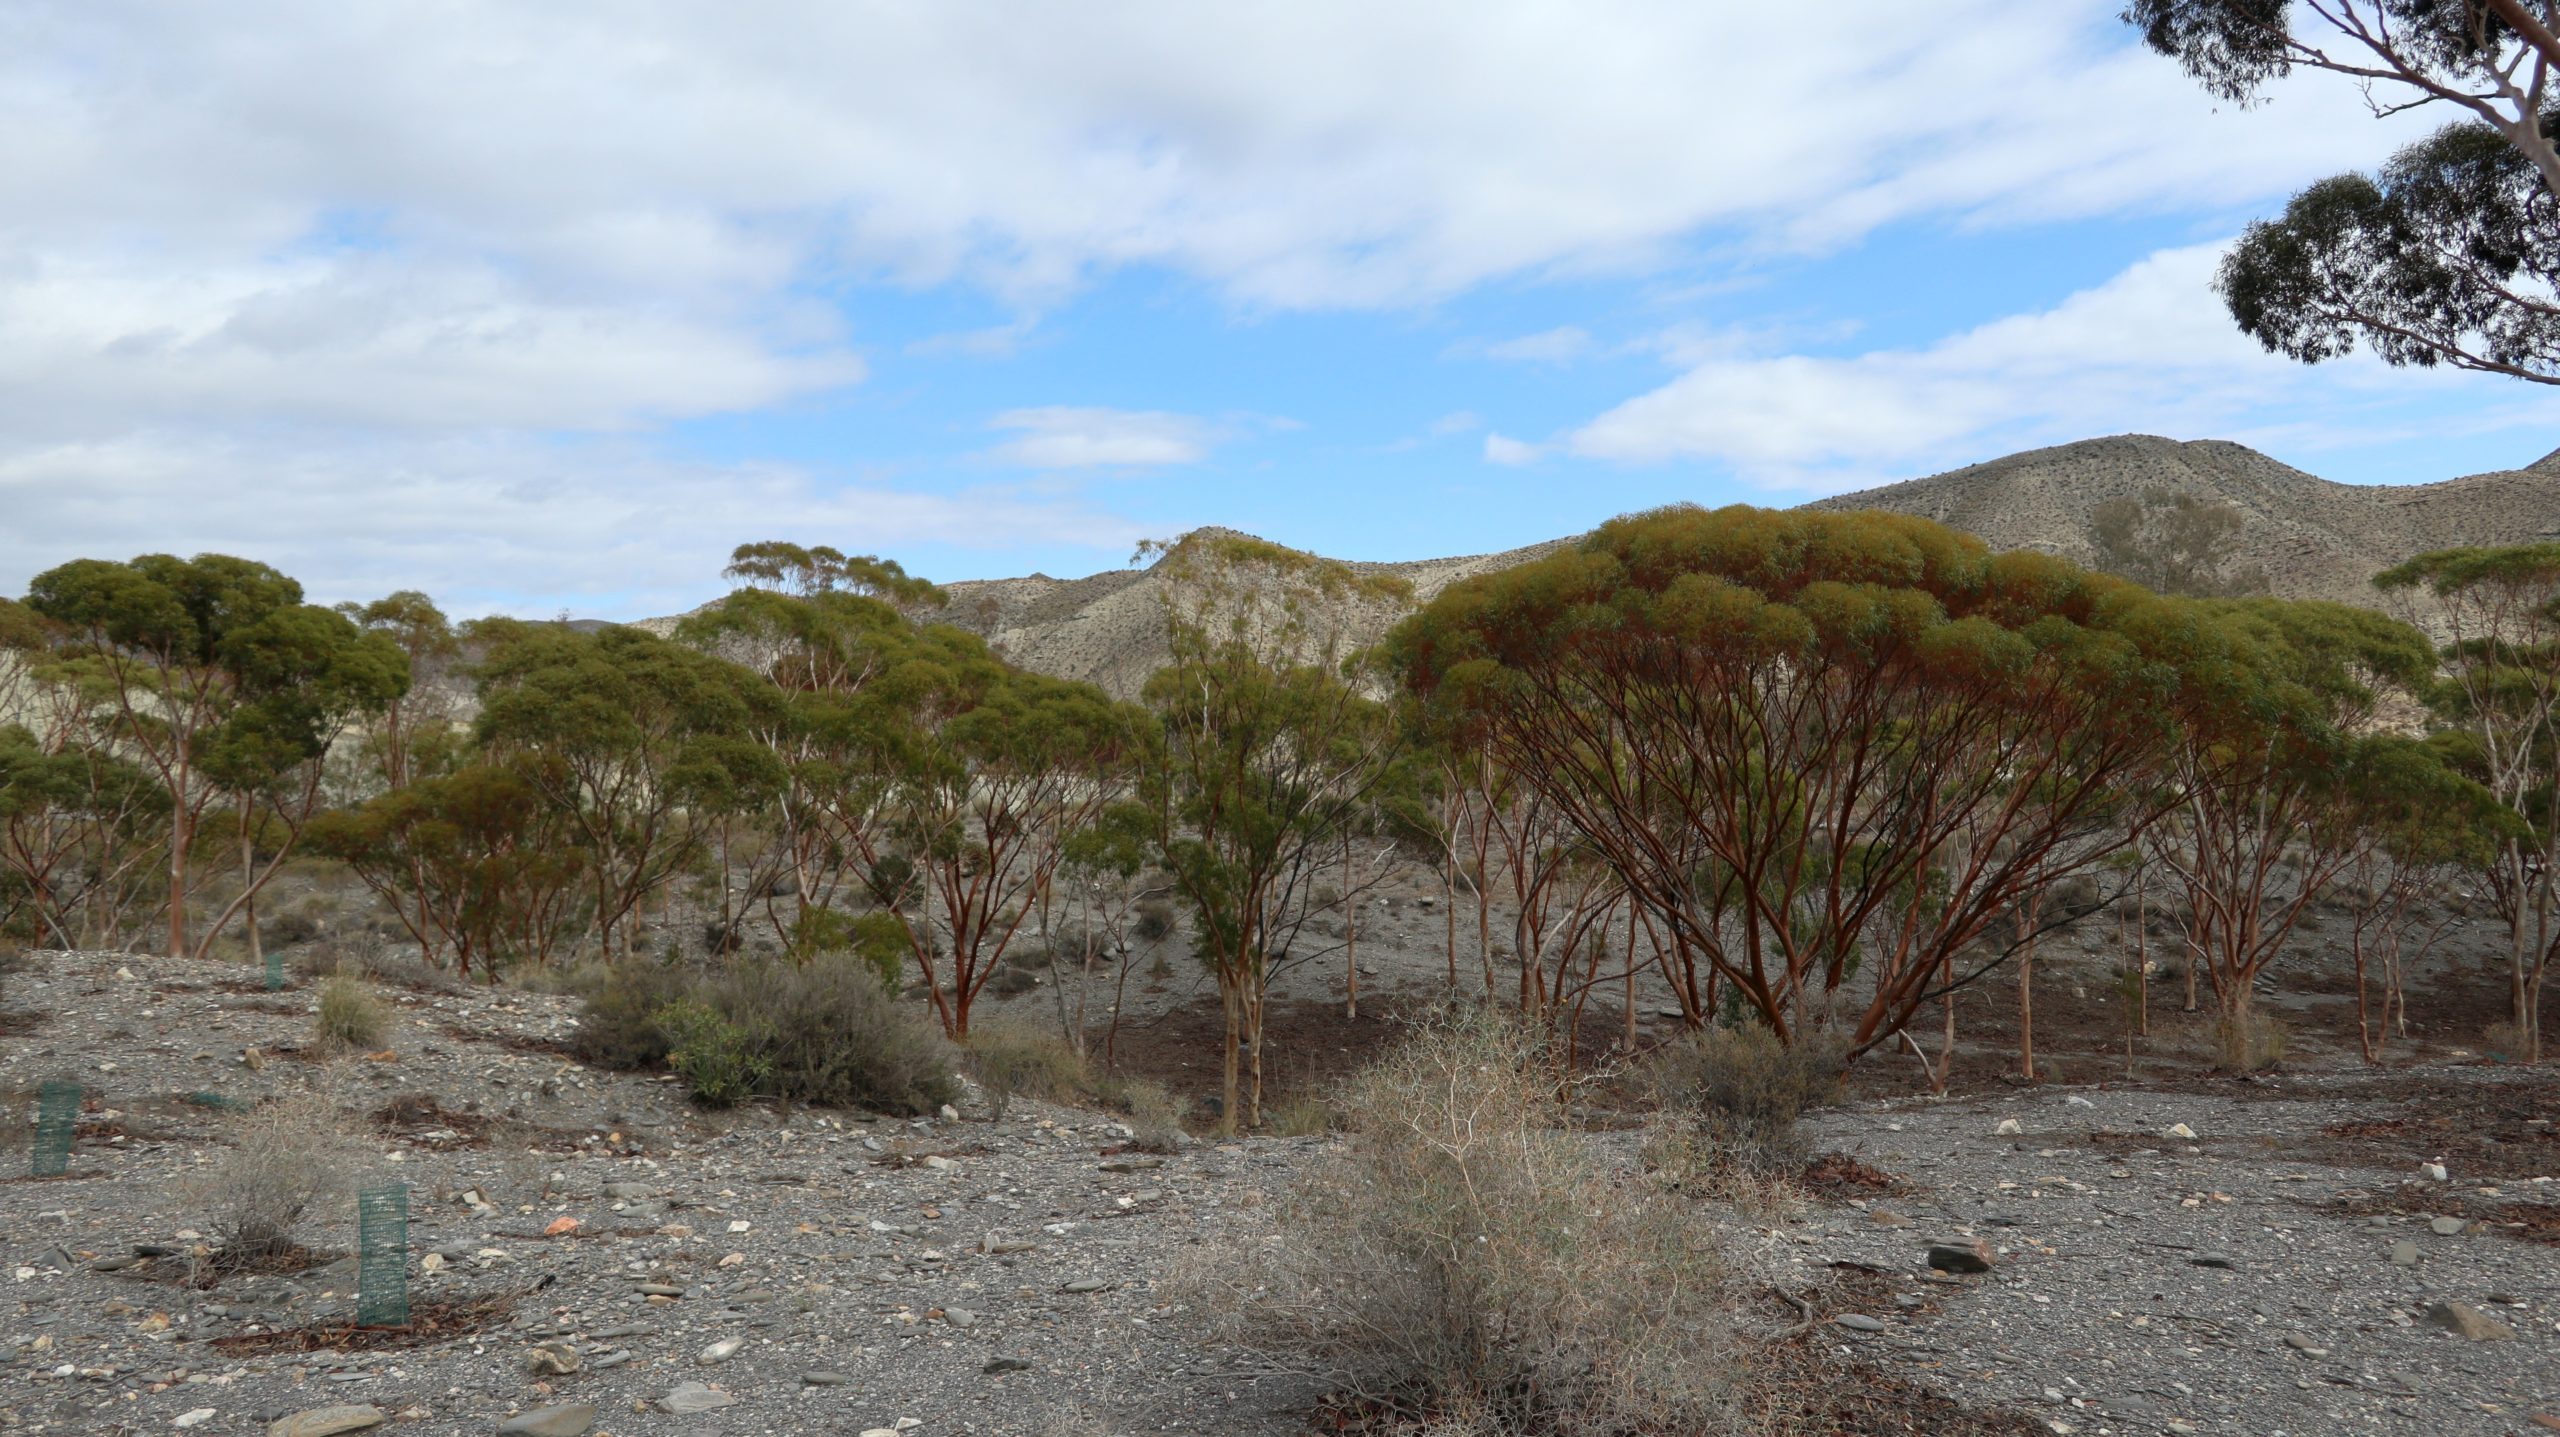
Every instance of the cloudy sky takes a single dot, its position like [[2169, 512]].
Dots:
[[546, 307]]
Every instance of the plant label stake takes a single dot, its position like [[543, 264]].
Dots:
[[57, 1122], [382, 1264]]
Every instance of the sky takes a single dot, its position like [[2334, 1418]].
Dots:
[[544, 308]]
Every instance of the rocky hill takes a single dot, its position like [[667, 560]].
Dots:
[[2211, 515]]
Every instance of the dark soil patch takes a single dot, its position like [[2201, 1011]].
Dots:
[[1838, 1175], [19, 1022], [1804, 1390], [429, 1323], [2483, 1131], [184, 1269], [2533, 1222], [421, 1121], [513, 1042]]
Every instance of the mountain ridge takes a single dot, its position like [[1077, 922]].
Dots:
[[2276, 529]]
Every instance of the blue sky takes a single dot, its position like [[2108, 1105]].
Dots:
[[546, 309]]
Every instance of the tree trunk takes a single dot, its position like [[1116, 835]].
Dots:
[[2033, 915], [181, 838], [1350, 941], [1947, 1052], [1449, 913], [1231, 998], [2238, 1018], [249, 883], [2142, 952]]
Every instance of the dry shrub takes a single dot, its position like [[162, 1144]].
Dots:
[[1733, 1096], [1299, 1117], [1011, 1060], [621, 1020], [1466, 1264], [2250, 1041], [352, 1018], [286, 1158], [2505, 1041], [1152, 1112]]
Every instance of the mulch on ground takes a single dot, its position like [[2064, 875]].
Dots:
[[429, 1323]]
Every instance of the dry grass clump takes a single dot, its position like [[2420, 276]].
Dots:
[[1732, 1097], [1468, 1266], [352, 1018], [2507, 1041], [1152, 1112], [286, 1158], [2249, 1041], [1013, 1060]]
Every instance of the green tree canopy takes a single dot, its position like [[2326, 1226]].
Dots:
[[2447, 254], [220, 676], [1879, 733]]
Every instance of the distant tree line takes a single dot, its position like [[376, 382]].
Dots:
[[1811, 773]]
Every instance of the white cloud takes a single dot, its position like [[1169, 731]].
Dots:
[[1460, 421], [1317, 154], [2149, 349], [1504, 450], [102, 345], [253, 256], [1071, 437], [1561, 345], [604, 526]]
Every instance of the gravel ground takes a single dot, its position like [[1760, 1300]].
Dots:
[[876, 1271], [971, 1275], [2240, 1280]]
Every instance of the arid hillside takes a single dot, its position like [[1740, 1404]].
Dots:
[[2204, 516]]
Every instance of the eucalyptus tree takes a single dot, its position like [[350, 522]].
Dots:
[[832, 637], [1810, 744], [2421, 823], [2448, 254], [2280, 775], [1087, 912], [175, 650], [479, 865], [1267, 750], [617, 729], [79, 827], [420, 734], [1002, 766], [2500, 607], [316, 679]]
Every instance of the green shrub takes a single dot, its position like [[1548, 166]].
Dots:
[[619, 1023], [834, 1036], [824, 1032], [1154, 922], [1738, 1092], [721, 1062], [351, 1017], [1011, 1061]]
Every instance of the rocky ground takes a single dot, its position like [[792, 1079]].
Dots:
[[591, 1254]]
